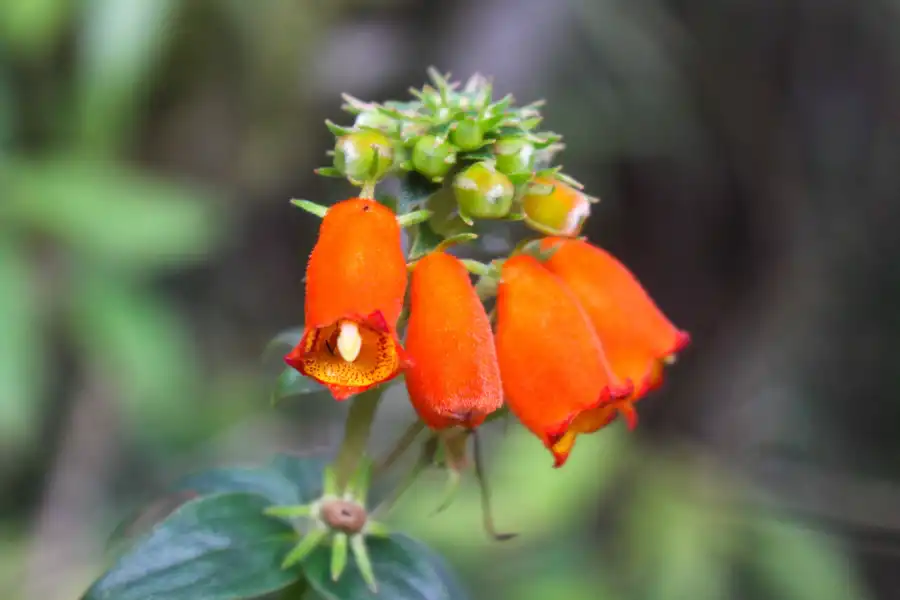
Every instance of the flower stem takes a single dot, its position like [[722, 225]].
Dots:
[[402, 445], [356, 435]]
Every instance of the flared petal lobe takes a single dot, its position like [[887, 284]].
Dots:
[[454, 378], [551, 360], [636, 335], [355, 282]]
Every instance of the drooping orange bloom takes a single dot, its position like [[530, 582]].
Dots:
[[355, 283], [636, 335], [551, 360], [454, 378]]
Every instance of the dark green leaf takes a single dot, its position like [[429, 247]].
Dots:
[[282, 343], [140, 521], [414, 191], [405, 569], [424, 240], [286, 480], [216, 548], [261, 482], [305, 472], [388, 200], [292, 383]]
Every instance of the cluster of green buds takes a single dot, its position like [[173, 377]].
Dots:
[[477, 158]]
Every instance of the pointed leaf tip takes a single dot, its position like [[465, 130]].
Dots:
[[338, 555], [414, 218], [453, 240], [304, 548], [310, 207], [363, 562]]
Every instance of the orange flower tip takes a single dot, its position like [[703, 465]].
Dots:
[[560, 452], [682, 340], [629, 413], [554, 433], [294, 358], [341, 392], [621, 390], [559, 459]]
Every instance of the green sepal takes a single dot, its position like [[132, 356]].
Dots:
[[338, 554], [311, 207], [329, 172], [336, 129], [453, 240], [414, 218], [304, 547], [289, 512], [363, 561]]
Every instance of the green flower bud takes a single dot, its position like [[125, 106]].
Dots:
[[445, 220], [560, 212], [432, 156], [514, 155], [482, 192], [467, 135], [363, 155]]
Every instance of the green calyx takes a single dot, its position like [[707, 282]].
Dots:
[[339, 518], [467, 134], [483, 192], [514, 155], [446, 127], [433, 157], [365, 155]]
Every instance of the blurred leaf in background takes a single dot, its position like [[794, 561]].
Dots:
[[108, 214], [120, 42], [22, 366]]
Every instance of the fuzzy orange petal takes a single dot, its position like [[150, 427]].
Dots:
[[551, 360], [357, 266], [455, 378], [637, 337]]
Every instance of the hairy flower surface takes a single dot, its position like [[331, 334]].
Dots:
[[551, 360], [355, 282], [637, 337], [454, 378]]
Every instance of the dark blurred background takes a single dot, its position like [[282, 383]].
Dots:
[[748, 159]]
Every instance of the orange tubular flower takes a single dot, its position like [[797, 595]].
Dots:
[[455, 378], [355, 282], [552, 363], [636, 335]]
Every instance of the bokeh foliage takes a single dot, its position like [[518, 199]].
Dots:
[[96, 222]]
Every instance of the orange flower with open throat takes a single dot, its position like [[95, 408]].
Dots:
[[551, 359], [636, 335], [355, 283], [454, 378]]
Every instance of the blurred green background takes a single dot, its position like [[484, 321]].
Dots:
[[746, 154]]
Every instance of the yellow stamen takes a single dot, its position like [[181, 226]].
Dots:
[[349, 342]]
